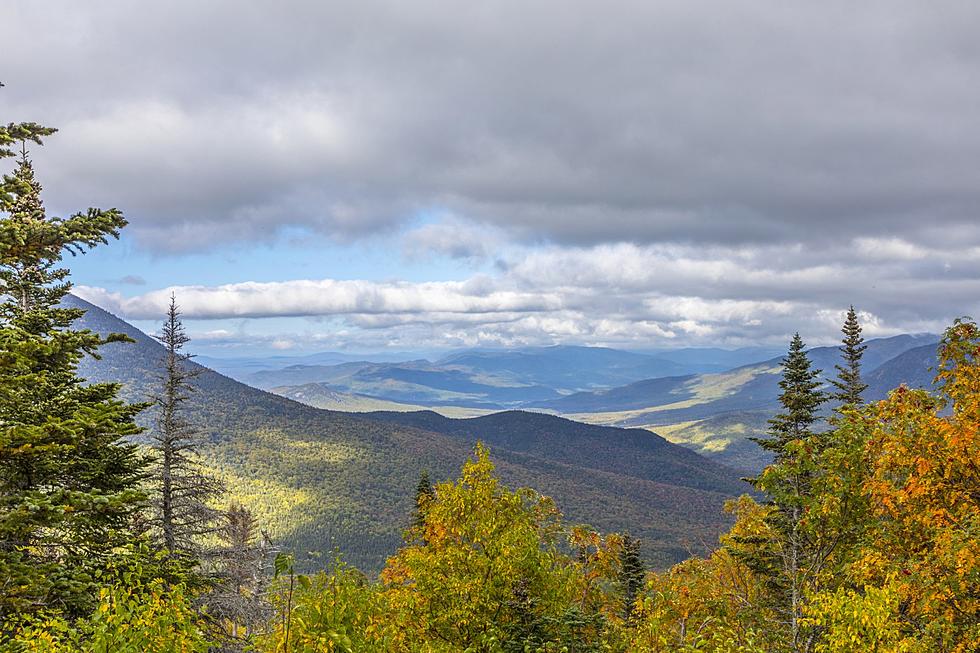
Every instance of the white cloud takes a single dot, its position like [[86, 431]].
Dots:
[[622, 294]]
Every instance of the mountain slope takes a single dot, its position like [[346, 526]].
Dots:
[[915, 368], [632, 452], [321, 479]]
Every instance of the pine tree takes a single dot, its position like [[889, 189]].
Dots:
[[793, 559], [848, 382], [183, 493], [424, 494], [69, 484], [632, 574]]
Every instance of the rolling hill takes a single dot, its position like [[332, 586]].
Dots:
[[322, 479]]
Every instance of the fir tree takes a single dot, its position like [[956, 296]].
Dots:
[[69, 484], [183, 493], [632, 573], [848, 382]]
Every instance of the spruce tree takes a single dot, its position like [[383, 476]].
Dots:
[[800, 399], [183, 493], [791, 561], [424, 494], [632, 574], [69, 483], [848, 382]]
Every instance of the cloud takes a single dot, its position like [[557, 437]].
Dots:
[[638, 172], [323, 297], [453, 238], [691, 122], [623, 294]]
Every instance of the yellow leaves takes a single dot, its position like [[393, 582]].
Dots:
[[859, 621]]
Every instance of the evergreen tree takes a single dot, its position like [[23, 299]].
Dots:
[[800, 399], [183, 493], [792, 559], [424, 494], [848, 382], [632, 573], [69, 485]]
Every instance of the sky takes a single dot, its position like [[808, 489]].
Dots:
[[415, 176]]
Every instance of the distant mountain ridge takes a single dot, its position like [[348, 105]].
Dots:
[[320, 479], [698, 410], [491, 379]]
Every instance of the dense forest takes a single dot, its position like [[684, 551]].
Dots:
[[863, 534]]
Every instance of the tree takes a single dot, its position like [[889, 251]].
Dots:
[[424, 494], [237, 601], [924, 488], [790, 560], [632, 574], [848, 382], [69, 484], [491, 575], [183, 493]]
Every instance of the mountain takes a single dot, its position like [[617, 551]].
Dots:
[[715, 359], [622, 451], [322, 395], [486, 378], [415, 382], [241, 367], [915, 368], [715, 414], [322, 479], [569, 367]]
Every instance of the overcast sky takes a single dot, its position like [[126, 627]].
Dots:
[[418, 175]]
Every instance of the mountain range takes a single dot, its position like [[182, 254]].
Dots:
[[711, 400], [320, 479]]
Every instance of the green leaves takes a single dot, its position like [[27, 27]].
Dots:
[[283, 564]]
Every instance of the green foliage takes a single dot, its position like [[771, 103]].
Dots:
[[848, 382], [125, 620], [68, 484], [791, 554], [490, 572], [867, 620], [336, 611], [424, 495]]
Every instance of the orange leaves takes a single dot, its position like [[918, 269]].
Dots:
[[924, 486]]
